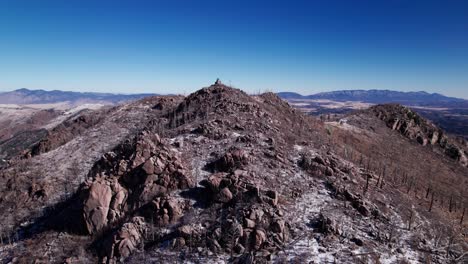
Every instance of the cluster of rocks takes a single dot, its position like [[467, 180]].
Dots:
[[257, 228], [324, 165], [37, 191], [164, 210], [252, 221], [130, 189], [223, 187], [357, 201], [233, 159], [339, 173], [121, 243], [132, 182], [212, 129]]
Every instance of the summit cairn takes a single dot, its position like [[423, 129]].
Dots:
[[218, 82]]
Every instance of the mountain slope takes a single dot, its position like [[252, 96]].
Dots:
[[221, 176], [413, 126]]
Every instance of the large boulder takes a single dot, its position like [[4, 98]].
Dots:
[[96, 206], [224, 195]]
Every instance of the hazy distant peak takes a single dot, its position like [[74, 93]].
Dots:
[[29, 96], [379, 96]]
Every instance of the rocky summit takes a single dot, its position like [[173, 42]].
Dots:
[[221, 176]]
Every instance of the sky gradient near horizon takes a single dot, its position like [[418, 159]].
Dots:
[[180, 46]]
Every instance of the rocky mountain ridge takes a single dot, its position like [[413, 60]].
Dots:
[[413, 126], [218, 176]]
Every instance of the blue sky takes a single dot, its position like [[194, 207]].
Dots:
[[180, 46]]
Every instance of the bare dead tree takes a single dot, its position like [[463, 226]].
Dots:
[[432, 201], [383, 177], [450, 242], [428, 190], [410, 185], [450, 203], [367, 184], [378, 180], [463, 215], [410, 220]]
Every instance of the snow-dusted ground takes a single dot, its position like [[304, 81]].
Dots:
[[70, 112], [308, 247], [305, 209], [346, 126]]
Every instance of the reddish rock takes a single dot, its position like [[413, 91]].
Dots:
[[96, 206], [259, 239], [224, 195]]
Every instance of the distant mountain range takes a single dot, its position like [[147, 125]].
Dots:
[[26, 96], [382, 96]]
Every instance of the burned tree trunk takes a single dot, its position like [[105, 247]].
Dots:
[[432, 202], [463, 215]]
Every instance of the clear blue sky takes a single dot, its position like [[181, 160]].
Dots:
[[180, 46]]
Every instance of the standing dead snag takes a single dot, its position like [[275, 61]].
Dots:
[[410, 220], [367, 183], [450, 204], [428, 190], [380, 179], [463, 215], [410, 185], [432, 201], [382, 182]]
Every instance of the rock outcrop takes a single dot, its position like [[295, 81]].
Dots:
[[136, 174], [66, 131], [413, 126]]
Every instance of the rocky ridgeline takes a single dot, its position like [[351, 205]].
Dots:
[[65, 132], [135, 179], [133, 189], [144, 184], [149, 190], [224, 176], [415, 127]]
